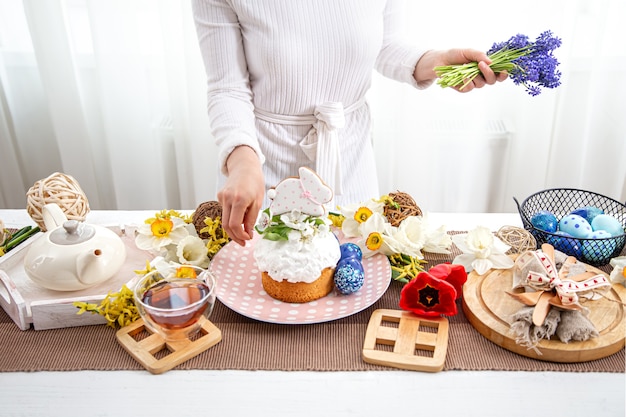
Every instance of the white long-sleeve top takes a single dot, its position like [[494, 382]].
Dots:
[[272, 65]]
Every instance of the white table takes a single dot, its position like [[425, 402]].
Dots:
[[278, 393]]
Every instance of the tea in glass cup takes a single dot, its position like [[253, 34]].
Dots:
[[175, 305]]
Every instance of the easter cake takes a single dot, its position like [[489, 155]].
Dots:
[[297, 253]]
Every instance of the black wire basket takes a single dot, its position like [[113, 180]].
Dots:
[[561, 202]]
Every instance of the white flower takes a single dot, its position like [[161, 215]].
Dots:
[[324, 227], [377, 237], [295, 219], [191, 229], [482, 251], [357, 214], [161, 233], [437, 239], [410, 237], [192, 251], [164, 267], [263, 222], [618, 275]]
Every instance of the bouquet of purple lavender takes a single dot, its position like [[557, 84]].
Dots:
[[530, 64]]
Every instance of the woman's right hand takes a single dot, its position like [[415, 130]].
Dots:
[[242, 195]]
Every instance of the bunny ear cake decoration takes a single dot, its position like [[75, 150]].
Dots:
[[306, 193]]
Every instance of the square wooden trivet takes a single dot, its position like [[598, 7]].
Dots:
[[400, 339], [158, 355]]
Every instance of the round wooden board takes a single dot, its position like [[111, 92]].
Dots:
[[488, 308]]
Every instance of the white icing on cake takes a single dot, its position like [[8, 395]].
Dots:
[[297, 260], [297, 243]]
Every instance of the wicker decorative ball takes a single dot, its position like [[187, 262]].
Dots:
[[61, 189], [520, 240], [210, 209], [406, 207]]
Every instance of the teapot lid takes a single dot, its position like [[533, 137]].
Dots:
[[73, 232]]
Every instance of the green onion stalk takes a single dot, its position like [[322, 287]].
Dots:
[[12, 240]]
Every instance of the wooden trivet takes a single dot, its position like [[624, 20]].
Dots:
[[158, 355], [417, 343]]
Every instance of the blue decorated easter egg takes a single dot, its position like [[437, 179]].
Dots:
[[350, 250], [597, 248], [588, 212], [564, 242], [607, 223], [575, 225], [349, 276], [545, 220]]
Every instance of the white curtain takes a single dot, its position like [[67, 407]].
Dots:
[[445, 150], [112, 92]]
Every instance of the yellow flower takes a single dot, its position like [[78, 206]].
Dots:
[[185, 271], [356, 215], [374, 241], [336, 218], [389, 201], [405, 268], [84, 307], [116, 308], [362, 214], [217, 235], [167, 214], [160, 233], [144, 271], [377, 237], [214, 228], [161, 227]]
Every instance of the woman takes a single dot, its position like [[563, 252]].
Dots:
[[286, 88]]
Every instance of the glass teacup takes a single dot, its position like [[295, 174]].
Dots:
[[175, 304]]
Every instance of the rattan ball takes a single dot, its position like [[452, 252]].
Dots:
[[210, 209], [406, 207], [61, 189], [520, 240]]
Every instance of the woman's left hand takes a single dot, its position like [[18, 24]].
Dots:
[[424, 70]]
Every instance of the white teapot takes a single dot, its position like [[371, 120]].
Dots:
[[73, 255]]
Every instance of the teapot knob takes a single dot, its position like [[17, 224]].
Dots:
[[71, 227]]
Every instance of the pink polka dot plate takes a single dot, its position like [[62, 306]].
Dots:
[[239, 287]]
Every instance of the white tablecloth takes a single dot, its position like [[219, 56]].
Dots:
[[274, 393]]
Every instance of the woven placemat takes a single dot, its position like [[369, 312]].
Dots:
[[253, 345]]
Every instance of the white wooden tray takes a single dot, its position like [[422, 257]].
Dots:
[[29, 304]]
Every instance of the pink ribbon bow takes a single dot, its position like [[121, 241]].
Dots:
[[569, 291], [551, 287]]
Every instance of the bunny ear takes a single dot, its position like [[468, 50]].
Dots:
[[315, 185]]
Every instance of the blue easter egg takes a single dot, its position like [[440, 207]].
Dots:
[[588, 212], [575, 225], [349, 276], [607, 223], [599, 251], [545, 220], [350, 250], [566, 243]]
